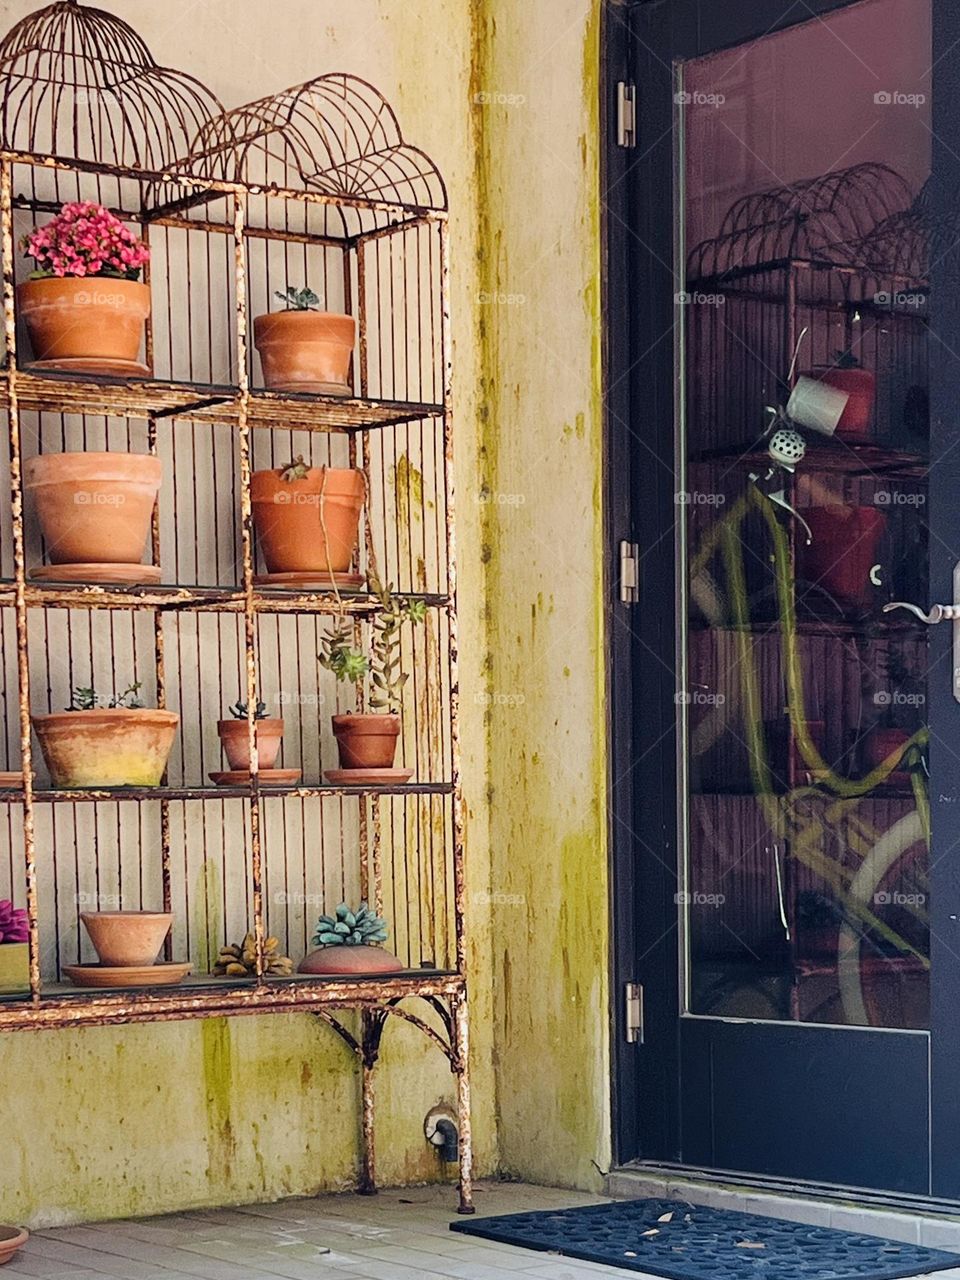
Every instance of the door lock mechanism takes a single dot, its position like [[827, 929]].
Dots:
[[939, 613]]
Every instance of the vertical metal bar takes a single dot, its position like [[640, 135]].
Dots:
[[461, 1038], [161, 678], [249, 599], [19, 573], [367, 1182]]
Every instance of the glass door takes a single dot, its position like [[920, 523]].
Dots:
[[818, 735]]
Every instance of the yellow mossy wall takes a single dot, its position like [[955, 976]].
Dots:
[[114, 1122]]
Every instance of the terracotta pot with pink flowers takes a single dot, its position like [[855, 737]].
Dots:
[[84, 306]]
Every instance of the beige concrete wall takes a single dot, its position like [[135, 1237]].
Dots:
[[127, 1121]]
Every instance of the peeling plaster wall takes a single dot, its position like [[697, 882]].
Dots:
[[114, 1122], [536, 68]]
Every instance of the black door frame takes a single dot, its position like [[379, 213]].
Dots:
[[638, 254]]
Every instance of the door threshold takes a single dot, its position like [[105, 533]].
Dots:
[[912, 1219]]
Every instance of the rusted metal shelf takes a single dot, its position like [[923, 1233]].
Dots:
[[61, 1004], [145, 398], [174, 598], [308, 791]]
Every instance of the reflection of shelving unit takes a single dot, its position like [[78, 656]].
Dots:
[[313, 185], [826, 256]]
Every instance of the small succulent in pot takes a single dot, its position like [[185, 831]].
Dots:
[[97, 327], [304, 348], [112, 742], [235, 736], [14, 948], [369, 740], [349, 942], [239, 959]]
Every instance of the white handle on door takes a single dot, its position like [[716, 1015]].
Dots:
[[940, 613]]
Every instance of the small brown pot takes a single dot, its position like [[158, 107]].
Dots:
[[86, 318], [860, 386], [366, 741], [123, 939], [309, 525], [115, 747], [14, 967], [347, 960], [236, 742], [94, 508], [305, 350], [11, 1239]]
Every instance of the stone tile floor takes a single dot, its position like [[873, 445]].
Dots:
[[398, 1235]]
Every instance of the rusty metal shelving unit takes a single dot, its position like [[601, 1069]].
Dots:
[[314, 182]]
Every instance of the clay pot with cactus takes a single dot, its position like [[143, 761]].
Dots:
[[368, 740], [307, 518], [235, 738], [304, 348], [117, 743], [348, 942]]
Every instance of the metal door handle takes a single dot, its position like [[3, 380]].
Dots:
[[940, 613]]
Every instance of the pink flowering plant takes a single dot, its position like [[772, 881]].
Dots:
[[14, 925], [85, 239]]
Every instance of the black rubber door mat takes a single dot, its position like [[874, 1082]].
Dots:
[[684, 1242]]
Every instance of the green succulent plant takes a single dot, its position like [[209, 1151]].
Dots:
[[337, 652], [87, 699], [239, 710], [296, 469], [298, 299], [346, 928]]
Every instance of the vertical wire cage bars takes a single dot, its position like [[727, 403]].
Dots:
[[314, 186]]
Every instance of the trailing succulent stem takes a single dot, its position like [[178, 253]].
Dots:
[[298, 299], [337, 652], [87, 699], [346, 928]]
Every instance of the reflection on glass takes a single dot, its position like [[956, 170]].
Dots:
[[806, 287]]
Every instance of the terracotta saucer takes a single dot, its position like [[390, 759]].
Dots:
[[121, 575], [11, 781], [90, 364], [310, 580], [148, 975], [11, 1239], [312, 388], [368, 777], [268, 778]]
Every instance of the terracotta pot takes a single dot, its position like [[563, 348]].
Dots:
[[347, 960], [14, 967], [843, 551], [94, 508], [236, 742], [307, 525], [11, 1239], [116, 747], [860, 386], [124, 939], [305, 350], [89, 318], [366, 741]]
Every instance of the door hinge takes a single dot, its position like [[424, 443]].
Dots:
[[626, 114], [634, 1013], [629, 572]]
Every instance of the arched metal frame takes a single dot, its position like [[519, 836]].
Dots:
[[321, 171]]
